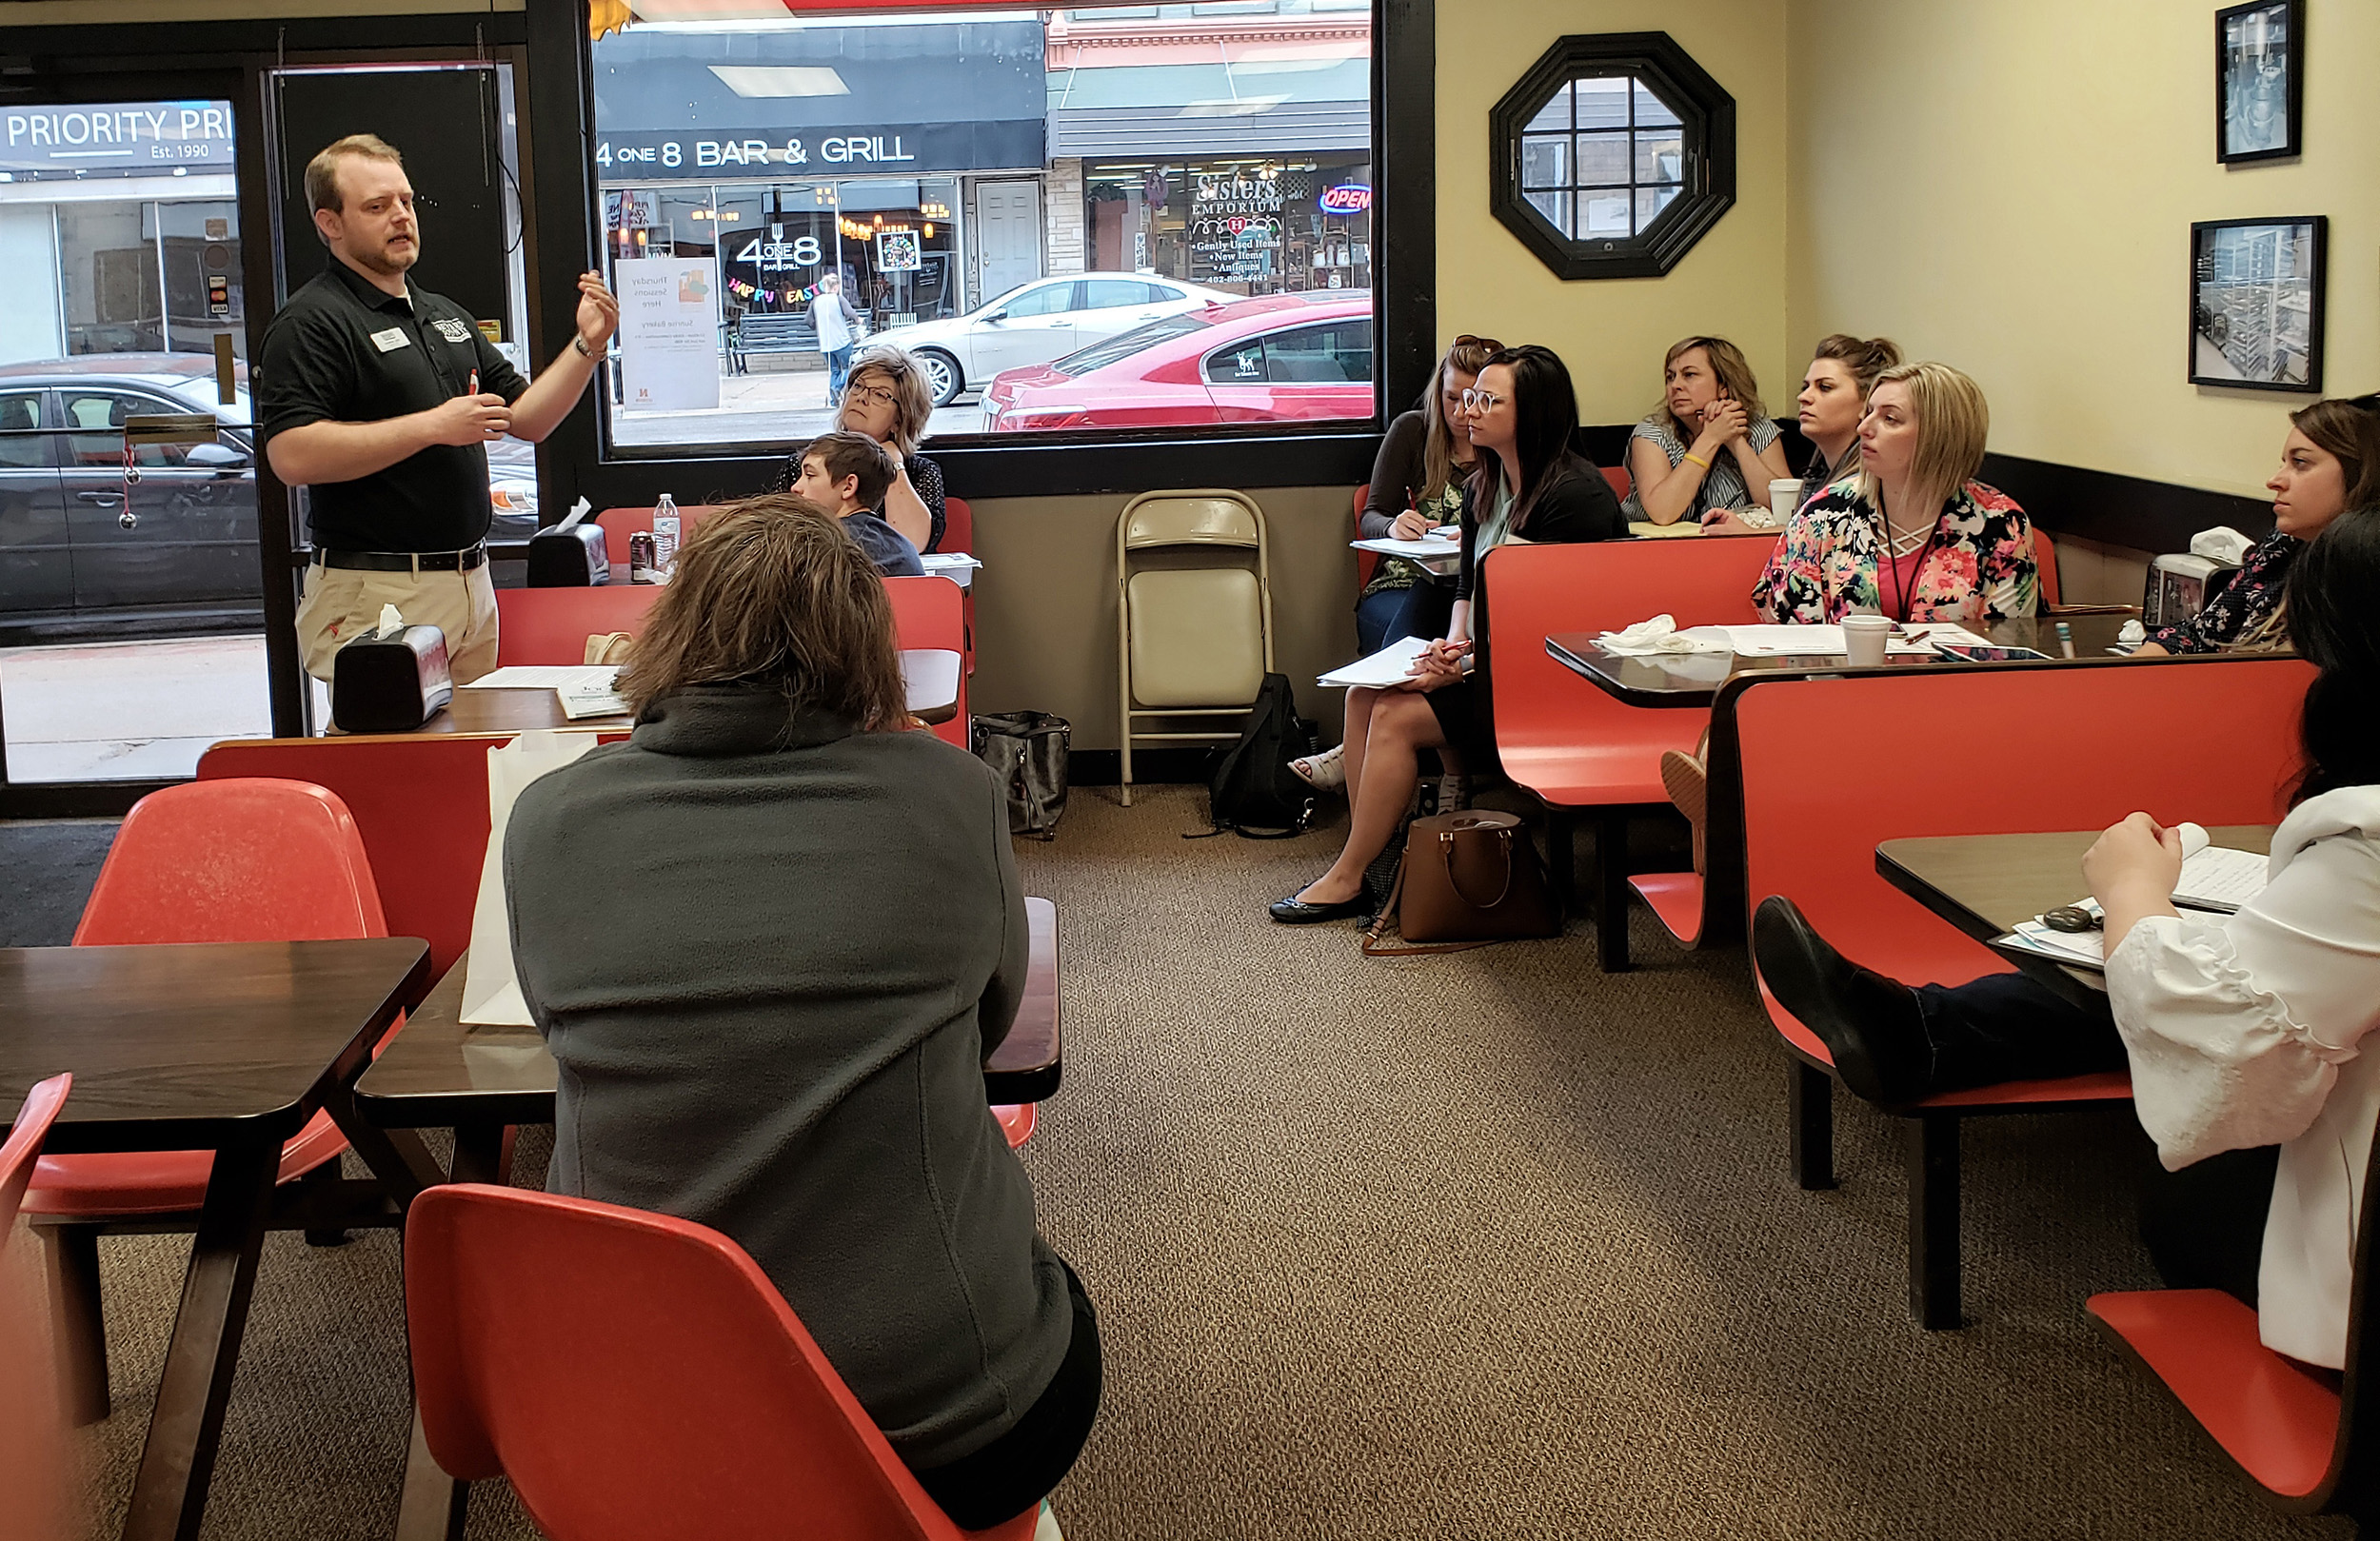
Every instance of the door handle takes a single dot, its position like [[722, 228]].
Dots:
[[101, 498]]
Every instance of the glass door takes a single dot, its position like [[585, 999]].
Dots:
[[131, 592]]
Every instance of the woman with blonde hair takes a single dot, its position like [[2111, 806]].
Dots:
[[1709, 446], [1912, 535], [771, 988], [888, 398]]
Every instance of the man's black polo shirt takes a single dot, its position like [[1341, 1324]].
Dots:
[[343, 350]]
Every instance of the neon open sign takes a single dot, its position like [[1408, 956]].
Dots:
[[1347, 198]]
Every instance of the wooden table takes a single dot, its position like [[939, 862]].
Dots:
[[1675, 680], [481, 1081], [1984, 884], [229, 1047], [931, 674]]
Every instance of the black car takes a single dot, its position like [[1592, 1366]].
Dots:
[[87, 545]]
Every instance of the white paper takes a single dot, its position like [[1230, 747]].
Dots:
[[669, 334], [2218, 878], [579, 703], [572, 677], [1424, 550], [956, 566], [491, 996], [1786, 642], [2082, 949], [1383, 668]]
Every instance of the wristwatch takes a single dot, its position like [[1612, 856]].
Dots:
[[577, 340]]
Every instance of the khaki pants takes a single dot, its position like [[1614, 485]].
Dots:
[[341, 602]]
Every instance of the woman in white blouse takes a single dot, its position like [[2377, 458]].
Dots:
[[2243, 1033]]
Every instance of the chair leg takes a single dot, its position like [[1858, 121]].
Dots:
[[1932, 1146], [81, 1330], [1611, 885], [1809, 1108], [324, 1235]]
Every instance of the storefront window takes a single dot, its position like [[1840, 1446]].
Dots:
[[1004, 196]]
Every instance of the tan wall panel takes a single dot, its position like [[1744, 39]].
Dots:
[[1046, 603], [1611, 332], [2009, 187]]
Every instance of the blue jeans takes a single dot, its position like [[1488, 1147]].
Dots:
[[1424, 610], [838, 370]]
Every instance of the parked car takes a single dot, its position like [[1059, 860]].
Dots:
[[1038, 321], [1282, 358], [78, 544]]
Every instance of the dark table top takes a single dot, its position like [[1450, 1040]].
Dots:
[[931, 674], [1694, 679], [438, 1072], [1984, 884], [200, 1046]]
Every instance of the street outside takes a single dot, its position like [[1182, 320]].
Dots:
[[766, 407], [128, 711]]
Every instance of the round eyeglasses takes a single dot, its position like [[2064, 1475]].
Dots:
[[1476, 400]]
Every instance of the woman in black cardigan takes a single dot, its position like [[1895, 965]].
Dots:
[[1528, 485]]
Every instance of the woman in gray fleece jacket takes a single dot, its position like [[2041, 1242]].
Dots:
[[770, 941]]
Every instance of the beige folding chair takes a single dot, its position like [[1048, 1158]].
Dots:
[[1194, 638]]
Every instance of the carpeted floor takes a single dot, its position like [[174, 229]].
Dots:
[[1481, 1245]]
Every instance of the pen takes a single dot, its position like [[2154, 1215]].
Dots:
[[2065, 639]]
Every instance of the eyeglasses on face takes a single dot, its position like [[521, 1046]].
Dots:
[[880, 395], [1476, 400]]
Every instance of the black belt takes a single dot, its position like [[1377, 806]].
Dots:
[[406, 562]]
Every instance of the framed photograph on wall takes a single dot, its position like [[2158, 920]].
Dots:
[[2255, 302], [2259, 80]]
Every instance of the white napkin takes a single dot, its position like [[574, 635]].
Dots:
[[2134, 633], [392, 624], [2223, 543], [1659, 635]]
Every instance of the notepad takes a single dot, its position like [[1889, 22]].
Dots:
[[1386, 667], [1423, 550], [2214, 877], [591, 702]]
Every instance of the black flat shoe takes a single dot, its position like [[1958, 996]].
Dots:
[[1869, 1023], [1293, 911]]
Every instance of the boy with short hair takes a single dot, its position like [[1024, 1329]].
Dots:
[[846, 474]]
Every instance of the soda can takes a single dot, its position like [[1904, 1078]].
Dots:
[[641, 557]]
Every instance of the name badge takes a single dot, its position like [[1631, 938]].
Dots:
[[452, 329], [391, 340]]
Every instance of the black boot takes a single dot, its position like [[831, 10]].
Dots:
[[1869, 1023]]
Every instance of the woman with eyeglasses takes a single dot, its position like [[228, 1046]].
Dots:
[[1527, 485], [1417, 485], [1914, 536], [2244, 1033], [1710, 447], [887, 398]]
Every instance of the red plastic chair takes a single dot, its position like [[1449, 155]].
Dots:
[[619, 524], [551, 625], [2045, 563], [1367, 563], [1622, 484], [1565, 740], [2051, 746], [213, 860], [23, 1146], [932, 612], [639, 1378], [957, 526]]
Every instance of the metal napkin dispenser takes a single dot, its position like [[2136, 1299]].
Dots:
[[390, 680], [569, 556]]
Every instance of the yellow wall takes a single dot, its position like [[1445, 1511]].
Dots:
[[2009, 187], [1613, 332]]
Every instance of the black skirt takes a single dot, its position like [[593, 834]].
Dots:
[[1468, 723]]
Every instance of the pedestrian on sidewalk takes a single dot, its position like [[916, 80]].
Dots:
[[839, 330]]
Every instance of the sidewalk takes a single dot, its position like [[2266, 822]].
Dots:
[[128, 711]]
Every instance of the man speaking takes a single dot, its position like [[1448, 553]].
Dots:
[[381, 398]]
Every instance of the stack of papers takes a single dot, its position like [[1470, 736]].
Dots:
[[2077, 948], [585, 689], [592, 699], [1384, 668], [1429, 548], [956, 566], [1786, 642]]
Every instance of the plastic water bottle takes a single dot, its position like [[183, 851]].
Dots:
[[665, 537]]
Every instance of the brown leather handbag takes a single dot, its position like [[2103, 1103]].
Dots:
[[1467, 879]]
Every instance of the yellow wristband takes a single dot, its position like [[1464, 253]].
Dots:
[[1697, 460]]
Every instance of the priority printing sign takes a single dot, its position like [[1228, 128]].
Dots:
[[669, 334], [114, 139]]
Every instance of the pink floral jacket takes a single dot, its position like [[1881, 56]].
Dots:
[[1979, 565]]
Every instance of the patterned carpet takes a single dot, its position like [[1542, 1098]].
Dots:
[[1478, 1245]]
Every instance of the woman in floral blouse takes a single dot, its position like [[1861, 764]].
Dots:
[[1914, 536], [2329, 463]]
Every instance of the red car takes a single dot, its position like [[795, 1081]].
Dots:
[[1282, 358]]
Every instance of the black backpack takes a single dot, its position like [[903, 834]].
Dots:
[[1254, 791]]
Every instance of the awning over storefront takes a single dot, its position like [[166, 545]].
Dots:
[[1240, 108], [845, 100]]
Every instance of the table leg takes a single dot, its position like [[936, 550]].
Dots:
[[397, 1157], [170, 1496], [434, 1505]]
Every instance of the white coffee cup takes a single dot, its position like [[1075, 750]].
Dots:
[[1864, 638], [1784, 497]]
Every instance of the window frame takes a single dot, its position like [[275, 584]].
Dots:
[[1707, 117], [573, 464]]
